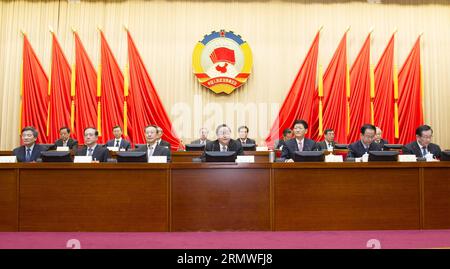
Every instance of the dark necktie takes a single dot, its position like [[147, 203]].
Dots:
[[117, 143], [90, 151], [424, 151], [28, 155]]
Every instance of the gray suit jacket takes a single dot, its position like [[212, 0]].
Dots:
[[323, 146], [158, 151]]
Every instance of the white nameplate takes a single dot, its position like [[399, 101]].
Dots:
[[82, 159], [357, 160], [245, 159], [113, 148], [157, 159], [8, 159], [407, 158], [429, 157], [62, 149], [330, 158], [262, 148]]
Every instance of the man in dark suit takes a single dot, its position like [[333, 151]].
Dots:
[[91, 148], [299, 142], [203, 140], [243, 136], [328, 143], [160, 141], [224, 142], [379, 137], [152, 148], [30, 151], [65, 140], [423, 146], [280, 143], [365, 144], [118, 141]]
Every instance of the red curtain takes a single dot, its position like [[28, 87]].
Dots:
[[112, 92], [360, 112], [145, 106], [299, 101], [334, 95], [34, 92], [384, 92], [85, 91], [410, 96], [60, 99]]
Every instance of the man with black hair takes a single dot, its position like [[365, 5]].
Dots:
[[65, 140], [30, 151], [328, 143], [224, 141], [365, 144], [91, 148], [118, 141], [423, 146], [280, 143], [243, 136], [299, 142]]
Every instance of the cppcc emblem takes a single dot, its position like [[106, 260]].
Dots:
[[222, 61]]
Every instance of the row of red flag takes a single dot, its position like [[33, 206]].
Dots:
[[80, 97], [343, 98]]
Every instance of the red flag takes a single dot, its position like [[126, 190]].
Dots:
[[410, 96], [34, 110], [360, 112], [85, 91], [112, 92], [59, 92], [335, 95], [384, 92], [298, 104], [145, 105]]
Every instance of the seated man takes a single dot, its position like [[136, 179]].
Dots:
[[299, 142], [160, 141], [328, 142], [379, 137], [91, 148], [422, 146], [152, 148], [203, 140], [30, 151], [243, 136], [366, 144], [280, 143], [118, 141], [224, 141], [65, 140]]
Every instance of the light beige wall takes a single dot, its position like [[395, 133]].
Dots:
[[278, 32]]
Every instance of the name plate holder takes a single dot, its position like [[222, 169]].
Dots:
[[331, 158], [407, 158], [157, 159], [8, 159], [82, 159], [245, 159], [62, 149]]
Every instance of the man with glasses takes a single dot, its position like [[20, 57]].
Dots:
[[224, 141], [365, 144], [30, 151], [299, 142], [91, 148], [423, 146], [328, 143]]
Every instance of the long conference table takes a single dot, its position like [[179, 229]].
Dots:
[[260, 196]]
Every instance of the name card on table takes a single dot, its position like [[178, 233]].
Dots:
[[82, 159], [62, 149], [8, 159], [330, 158], [262, 148], [113, 148], [407, 158], [245, 159], [157, 159]]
